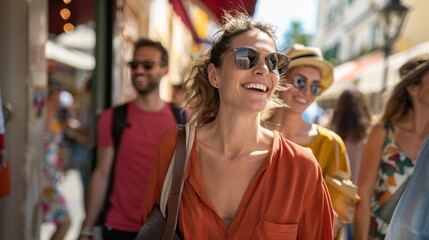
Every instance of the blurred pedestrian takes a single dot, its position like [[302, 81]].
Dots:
[[119, 181], [77, 134], [242, 181], [54, 207], [309, 74], [391, 149], [351, 120]]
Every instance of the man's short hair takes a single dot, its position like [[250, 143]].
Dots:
[[145, 42]]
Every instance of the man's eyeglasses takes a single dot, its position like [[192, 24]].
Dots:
[[247, 57], [147, 64], [300, 83]]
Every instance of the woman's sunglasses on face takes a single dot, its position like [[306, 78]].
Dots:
[[247, 57], [300, 82], [147, 64]]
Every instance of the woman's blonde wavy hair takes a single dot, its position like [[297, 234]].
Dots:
[[201, 98]]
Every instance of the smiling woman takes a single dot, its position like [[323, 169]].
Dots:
[[238, 172], [310, 74]]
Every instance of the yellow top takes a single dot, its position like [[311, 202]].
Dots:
[[323, 147]]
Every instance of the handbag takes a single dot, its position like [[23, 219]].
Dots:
[[344, 194], [385, 211], [5, 180], [160, 225]]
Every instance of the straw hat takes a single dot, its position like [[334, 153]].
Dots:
[[414, 67], [311, 56]]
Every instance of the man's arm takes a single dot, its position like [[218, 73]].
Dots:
[[98, 186]]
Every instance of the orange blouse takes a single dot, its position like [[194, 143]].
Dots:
[[287, 199]]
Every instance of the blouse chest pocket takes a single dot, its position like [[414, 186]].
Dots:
[[273, 231]]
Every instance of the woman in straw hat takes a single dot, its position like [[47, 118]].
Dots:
[[392, 148], [242, 181], [310, 74]]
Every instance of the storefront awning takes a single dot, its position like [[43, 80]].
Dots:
[[77, 59], [370, 78], [366, 73], [213, 8], [181, 11]]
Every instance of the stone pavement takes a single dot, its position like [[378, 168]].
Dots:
[[71, 187]]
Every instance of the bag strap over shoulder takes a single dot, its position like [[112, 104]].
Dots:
[[179, 164], [174, 180], [190, 133]]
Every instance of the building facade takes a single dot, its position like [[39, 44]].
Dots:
[[351, 36]]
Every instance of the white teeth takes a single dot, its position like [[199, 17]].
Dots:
[[301, 100], [257, 86]]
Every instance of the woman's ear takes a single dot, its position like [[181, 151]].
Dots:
[[412, 89], [212, 75]]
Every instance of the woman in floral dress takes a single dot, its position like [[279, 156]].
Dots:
[[392, 148], [54, 207]]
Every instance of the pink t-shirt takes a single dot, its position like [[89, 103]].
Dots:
[[136, 153]]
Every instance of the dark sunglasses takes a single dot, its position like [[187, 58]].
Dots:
[[147, 64], [300, 83], [247, 57]]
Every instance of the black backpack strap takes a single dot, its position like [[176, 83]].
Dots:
[[179, 114], [119, 122]]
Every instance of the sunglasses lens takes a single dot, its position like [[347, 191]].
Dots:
[[133, 65], [277, 63], [299, 82], [246, 58], [147, 64], [316, 89]]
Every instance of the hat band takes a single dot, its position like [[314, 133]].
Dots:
[[416, 70], [304, 56]]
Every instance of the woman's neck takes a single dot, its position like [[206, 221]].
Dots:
[[235, 136], [416, 122]]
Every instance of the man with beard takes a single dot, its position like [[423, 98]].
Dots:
[[147, 117]]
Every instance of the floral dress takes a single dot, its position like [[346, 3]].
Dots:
[[393, 175], [54, 207]]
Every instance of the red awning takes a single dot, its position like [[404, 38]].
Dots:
[[215, 7], [180, 10]]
